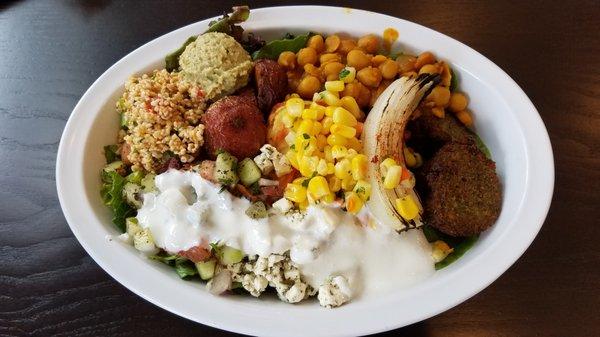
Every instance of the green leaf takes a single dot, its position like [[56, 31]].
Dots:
[[172, 60], [482, 147], [460, 244], [111, 154], [166, 258], [112, 195], [453, 81], [459, 250], [272, 49], [185, 268]]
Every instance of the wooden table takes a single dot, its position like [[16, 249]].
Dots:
[[51, 51]]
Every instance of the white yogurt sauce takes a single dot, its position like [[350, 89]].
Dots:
[[187, 211]]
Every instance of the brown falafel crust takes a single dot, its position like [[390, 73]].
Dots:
[[464, 193], [234, 124]]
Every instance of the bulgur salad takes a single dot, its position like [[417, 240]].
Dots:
[[315, 165]]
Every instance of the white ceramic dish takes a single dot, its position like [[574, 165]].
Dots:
[[504, 117]]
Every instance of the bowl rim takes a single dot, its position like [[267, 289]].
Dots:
[[539, 161]]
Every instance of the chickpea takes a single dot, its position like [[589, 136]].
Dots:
[[317, 43], [369, 76], [352, 89], [287, 59], [389, 69], [440, 96], [406, 63], [458, 102], [378, 59], [423, 59], [429, 69], [307, 56], [465, 117], [312, 70], [410, 74], [293, 79], [332, 69], [364, 97], [369, 43], [346, 46], [332, 43], [375, 92], [438, 112], [308, 86], [358, 59], [329, 57], [446, 75]]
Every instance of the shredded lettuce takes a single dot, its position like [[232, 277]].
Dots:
[[183, 267], [111, 154], [112, 195]]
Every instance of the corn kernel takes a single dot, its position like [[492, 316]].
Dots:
[[351, 153], [363, 189], [300, 181], [407, 207], [326, 122], [336, 140], [353, 202], [320, 110], [308, 165], [348, 183], [343, 130], [335, 184], [330, 168], [305, 127], [294, 106], [409, 158], [440, 250], [318, 187], [355, 144], [295, 193], [291, 155], [392, 177], [335, 86], [309, 114], [303, 205], [438, 112], [343, 169], [322, 167], [330, 97], [343, 116], [327, 152], [317, 127], [385, 165], [329, 198], [329, 111], [359, 166], [287, 119], [321, 141], [290, 138], [338, 151], [349, 103], [348, 74]]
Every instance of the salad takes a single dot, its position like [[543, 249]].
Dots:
[[315, 165]]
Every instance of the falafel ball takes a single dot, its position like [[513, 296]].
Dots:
[[234, 124], [464, 193], [429, 133]]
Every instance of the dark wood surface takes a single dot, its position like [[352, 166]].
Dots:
[[51, 51]]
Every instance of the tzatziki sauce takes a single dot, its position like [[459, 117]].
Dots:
[[187, 211]]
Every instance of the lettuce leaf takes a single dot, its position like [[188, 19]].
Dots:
[[289, 43], [460, 244], [183, 267], [112, 196]]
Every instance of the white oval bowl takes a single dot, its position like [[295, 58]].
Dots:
[[505, 119]]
